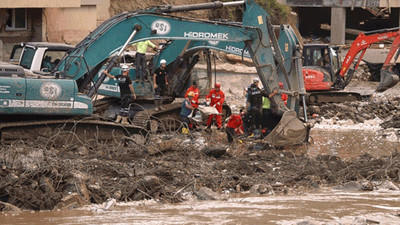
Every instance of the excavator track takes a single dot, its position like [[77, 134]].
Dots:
[[84, 130], [154, 121], [332, 97]]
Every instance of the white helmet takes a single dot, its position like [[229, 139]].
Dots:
[[125, 68], [256, 80], [163, 61]]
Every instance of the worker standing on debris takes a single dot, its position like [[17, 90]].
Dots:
[[234, 126], [160, 81], [254, 104], [186, 110], [141, 49], [127, 92], [267, 115], [216, 99]]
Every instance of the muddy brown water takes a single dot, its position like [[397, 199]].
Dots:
[[322, 206], [325, 206], [351, 143]]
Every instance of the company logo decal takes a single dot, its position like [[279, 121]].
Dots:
[[161, 26], [50, 90]]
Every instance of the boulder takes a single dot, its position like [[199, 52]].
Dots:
[[71, 201], [261, 189], [205, 193]]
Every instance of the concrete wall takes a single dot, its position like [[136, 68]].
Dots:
[[103, 11], [39, 3], [69, 25], [11, 37]]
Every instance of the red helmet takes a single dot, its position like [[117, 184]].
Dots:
[[217, 85]]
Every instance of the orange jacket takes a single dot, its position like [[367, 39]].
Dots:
[[217, 98], [195, 99]]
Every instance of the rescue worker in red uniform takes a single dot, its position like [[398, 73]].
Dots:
[[234, 126], [284, 96], [215, 98]]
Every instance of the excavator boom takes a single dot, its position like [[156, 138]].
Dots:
[[360, 46]]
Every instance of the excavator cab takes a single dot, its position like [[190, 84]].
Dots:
[[321, 64]]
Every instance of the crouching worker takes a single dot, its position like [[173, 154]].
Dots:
[[234, 126], [127, 93], [186, 110]]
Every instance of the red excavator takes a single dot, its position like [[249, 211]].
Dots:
[[323, 70]]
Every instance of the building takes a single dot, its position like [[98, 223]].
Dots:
[[65, 21], [362, 15]]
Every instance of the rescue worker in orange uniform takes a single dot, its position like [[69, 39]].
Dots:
[[195, 100], [215, 98], [234, 126]]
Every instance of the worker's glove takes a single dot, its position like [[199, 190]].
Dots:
[[155, 48]]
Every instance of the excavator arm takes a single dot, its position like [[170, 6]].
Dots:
[[360, 46], [256, 32]]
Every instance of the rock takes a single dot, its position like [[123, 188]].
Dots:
[[215, 151], [83, 151], [349, 186], [110, 204], [367, 185], [389, 186], [307, 222], [162, 146], [6, 207], [205, 193], [71, 201], [46, 185], [118, 194], [261, 189]]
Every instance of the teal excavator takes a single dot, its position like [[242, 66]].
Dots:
[[27, 103]]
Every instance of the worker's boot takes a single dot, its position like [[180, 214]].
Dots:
[[125, 120], [157, 106], [208, 129], [257, 134], [160, 104], [119, 118], [185, 130]]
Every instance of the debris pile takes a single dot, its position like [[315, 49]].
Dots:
[[36, 176], [385, 108]]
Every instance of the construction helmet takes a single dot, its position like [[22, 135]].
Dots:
[[190, 94], [163, 61], [217, 85], [256, 80], [125, 68], [280, 85]]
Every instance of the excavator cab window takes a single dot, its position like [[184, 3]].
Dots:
[[334, 58], [27, 57], [51, 59]]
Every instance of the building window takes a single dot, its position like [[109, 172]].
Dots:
[[17, 19]]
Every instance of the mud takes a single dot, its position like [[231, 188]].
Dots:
[[39, 177]]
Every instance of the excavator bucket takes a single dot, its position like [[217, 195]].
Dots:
[[289, 131], [388, 80]]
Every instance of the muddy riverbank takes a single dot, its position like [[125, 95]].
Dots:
[[37, 177]]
